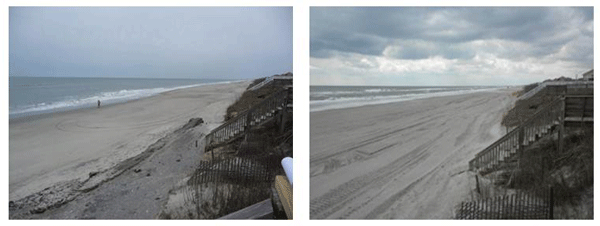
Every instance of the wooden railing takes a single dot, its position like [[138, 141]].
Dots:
[[261, 84], [567, 84], [568, 110], [239, 125], [579, 108], [510, 144]]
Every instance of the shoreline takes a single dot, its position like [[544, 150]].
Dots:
[[370, 162], [32, 116], [88, 140], [336, 106]]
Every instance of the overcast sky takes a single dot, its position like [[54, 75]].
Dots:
[[448, 46], [172, 42]]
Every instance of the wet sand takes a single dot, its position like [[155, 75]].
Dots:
[[405, 160]]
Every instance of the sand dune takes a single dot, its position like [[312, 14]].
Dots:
[[47, 149], [404, 160]]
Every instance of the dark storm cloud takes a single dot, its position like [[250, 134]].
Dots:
[[347, 29], [193, 42], [445, 30], [333, 40]]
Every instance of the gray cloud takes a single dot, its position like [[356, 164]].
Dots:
[[332, 40], [446, 29], [191, 42], [448, 45]]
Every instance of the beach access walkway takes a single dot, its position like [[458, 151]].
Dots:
[[239, 177], [277, 106], [565, 111], [562, 85], [569, 111]]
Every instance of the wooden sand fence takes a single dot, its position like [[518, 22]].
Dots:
[[269, 108], [521, 205], [225, 184]]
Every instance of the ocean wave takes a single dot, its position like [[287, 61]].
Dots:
[[375, 91], [358, 101], [111, 97]]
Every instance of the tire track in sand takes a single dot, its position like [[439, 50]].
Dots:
[[317, 160], [365, 143], [331, 201]]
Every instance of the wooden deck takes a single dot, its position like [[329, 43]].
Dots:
[[261, 210]]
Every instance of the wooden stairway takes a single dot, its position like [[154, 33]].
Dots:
[[565, 84], [545, 122], [261, 84], [276, 104]]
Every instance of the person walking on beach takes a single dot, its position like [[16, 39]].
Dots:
[[98, 103]]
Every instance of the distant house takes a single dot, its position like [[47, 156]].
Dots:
[[588, 76]]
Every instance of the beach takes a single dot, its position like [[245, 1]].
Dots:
[[76, 147], [404, 160]]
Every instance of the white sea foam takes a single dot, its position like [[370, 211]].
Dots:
[[349, 102], [376, 90], [371, 91], [105, 97]]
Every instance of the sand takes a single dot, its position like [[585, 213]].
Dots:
[[405, 160], [45, 150]]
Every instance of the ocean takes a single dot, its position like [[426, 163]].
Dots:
[[40, 95], [337, 97]]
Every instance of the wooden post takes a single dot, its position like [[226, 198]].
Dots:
[[505, 200], [477, 184], [467, 210], [551, 211], [283, 118], [540, 206], [487, 208], [285, 190], [473, 209], [513, 206], [528, 210], [561, 127], [248, 120], [476, 212], [583, 110], [520, 145], [497, 204], [508, 212], [519, 206], [207, 140], [459, 213], [463, 210]]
